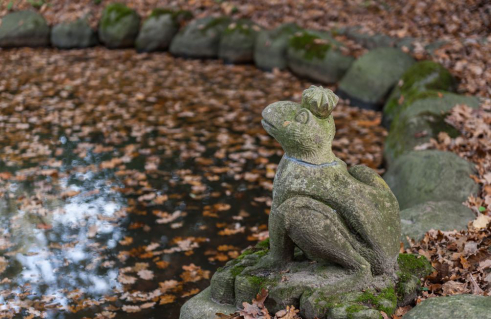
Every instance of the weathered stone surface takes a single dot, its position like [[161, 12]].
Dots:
[[372, 76], [421, 76], [457, 306], [73, 35], [315, 56], [159, 29], [430, 175], [421, 120], [314, 288], [271, 47], [443, 215], [223, 281], [24, 29], [333, 231], [321, 227], [200, 38], [237, 42], [202, 306], [368, 41], [119, 26]]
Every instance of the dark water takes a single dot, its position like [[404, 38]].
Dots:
[[127, 179]]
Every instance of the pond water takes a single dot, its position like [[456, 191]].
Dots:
[[126, 180]]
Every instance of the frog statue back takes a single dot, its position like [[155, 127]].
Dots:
[[333, 231]]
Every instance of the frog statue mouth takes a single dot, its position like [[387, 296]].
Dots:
[[268, 126]]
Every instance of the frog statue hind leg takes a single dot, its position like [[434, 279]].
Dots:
[[331, 213], [317, 230]]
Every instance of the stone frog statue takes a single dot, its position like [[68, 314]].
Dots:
[[345, 216]]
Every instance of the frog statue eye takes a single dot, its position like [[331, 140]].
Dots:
[[302, 117]]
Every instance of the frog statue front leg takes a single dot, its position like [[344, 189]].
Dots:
[[344, 216]]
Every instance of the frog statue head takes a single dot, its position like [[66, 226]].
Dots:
[[305, 131]]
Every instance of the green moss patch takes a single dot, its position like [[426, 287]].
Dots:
[[263, 244], [418, 266], [351, 310], [313, 45], [353, 302], [420, 77], [114, 12], [411, 269], [385, 300]]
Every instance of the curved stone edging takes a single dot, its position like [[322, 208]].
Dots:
[[307, 53]]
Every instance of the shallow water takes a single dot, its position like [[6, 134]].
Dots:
[[128, 179]]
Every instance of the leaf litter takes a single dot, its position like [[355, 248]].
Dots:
[[130, 178]]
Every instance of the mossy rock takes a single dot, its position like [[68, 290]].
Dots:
[[270, 49], [457, 306], [200, 38], [73, 35], [118, 27], [237, 42], [442, 215], [421, 76], [24, 29], [223, 281], [159, 29], [430, 175], [179, 16], [423, 118], [367, 40], [412, 269], [370, 79], [202, 306], [316, 56], [367, 304]]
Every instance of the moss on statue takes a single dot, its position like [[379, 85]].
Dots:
[[313, 45], [260, 250], [351, 303], [385, 300], [351, 310], [263, 244], [255, 281], [237, 270]]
